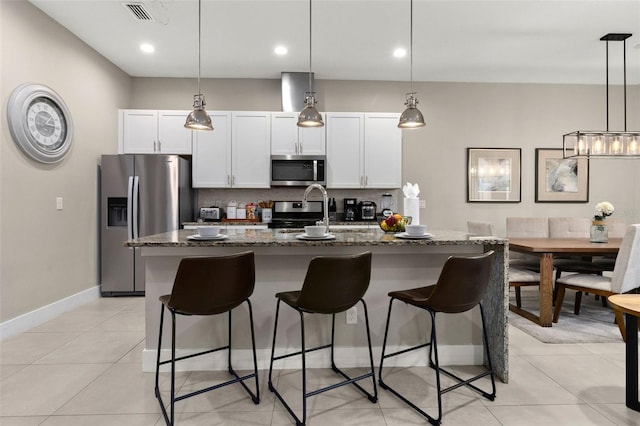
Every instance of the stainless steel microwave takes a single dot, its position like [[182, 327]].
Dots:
[[298, 170]]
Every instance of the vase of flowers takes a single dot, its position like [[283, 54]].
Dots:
[[599, 228]]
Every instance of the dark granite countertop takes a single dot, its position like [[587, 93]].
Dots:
[[289, 237]]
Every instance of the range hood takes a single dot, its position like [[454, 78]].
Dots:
[[294, 87]]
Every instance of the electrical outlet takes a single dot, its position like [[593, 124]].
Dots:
[[59, 203], [422, 204], [352, 315]]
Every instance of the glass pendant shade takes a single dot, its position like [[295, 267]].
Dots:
[[411, 117], [309, 116], [198, 119]]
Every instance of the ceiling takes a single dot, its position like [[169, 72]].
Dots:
[[519, 41]]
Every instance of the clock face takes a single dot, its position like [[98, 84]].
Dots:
[[46, 123], [40, 122]]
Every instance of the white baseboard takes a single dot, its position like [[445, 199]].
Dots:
[[345, 357], [41, 315]]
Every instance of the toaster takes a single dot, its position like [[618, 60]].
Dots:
[[211, 213]]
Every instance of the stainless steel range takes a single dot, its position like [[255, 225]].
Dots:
[[296, 214]]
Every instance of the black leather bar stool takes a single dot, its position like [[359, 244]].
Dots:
[[208, 286], [332, 285], [460, 287]]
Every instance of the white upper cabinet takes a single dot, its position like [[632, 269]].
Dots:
[[382, 150], [235, 154], [289, 139], [250, 149], [154, 132], [211, 161], [364, 150], [345, 140]]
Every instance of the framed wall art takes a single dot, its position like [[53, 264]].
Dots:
[[561, 180], [493, 175]]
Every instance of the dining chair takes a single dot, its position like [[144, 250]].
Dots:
[[333, 284], [573, 227], [461, 286], [526, 227], [625, 277], [208, 286], [480, 229], [617, 228]]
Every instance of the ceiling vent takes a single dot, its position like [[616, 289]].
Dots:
[[138, 11]]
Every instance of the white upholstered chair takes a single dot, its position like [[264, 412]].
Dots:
[[617, 228], [572, 227], [524, 269], [526, 227], [625, 278], [480, 229]]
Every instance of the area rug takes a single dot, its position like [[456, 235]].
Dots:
[[594, 324]]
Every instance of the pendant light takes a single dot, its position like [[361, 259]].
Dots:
[[309, 116], [605, 144], [411, 118], [198, 119]]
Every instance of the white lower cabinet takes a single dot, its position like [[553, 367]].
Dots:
[[236, 154], [153, 132], [364, 150]]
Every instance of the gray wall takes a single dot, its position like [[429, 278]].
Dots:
[[47, 255]]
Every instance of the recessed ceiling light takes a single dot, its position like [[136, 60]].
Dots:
[[147, 48], [281, 50], [400, 52]]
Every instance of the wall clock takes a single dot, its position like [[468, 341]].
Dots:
[[40, 122]]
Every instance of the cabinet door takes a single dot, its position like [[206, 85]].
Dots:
[[382, 151], [138, 131], [250, 149], [173, 137], [345, 137], [284, 133], [211, 161], [312, 139]]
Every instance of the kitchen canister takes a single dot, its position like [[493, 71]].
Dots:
[[267, 215], [232, 207], [241, 211]]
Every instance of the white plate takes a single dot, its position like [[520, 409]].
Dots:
[[406, 236], [197, 237], [310, 238]]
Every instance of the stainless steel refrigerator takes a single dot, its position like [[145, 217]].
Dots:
[[140, 195]]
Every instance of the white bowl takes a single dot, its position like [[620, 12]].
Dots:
[[415, 230], [315, 230], [208, 231]]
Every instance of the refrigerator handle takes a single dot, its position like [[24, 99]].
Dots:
[[135, 194], [130, 209]]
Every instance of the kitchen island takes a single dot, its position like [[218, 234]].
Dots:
[[281, 263]]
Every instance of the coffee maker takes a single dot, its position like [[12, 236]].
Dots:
[[350, 209]]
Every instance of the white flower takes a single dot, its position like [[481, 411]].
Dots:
[[604, 209]]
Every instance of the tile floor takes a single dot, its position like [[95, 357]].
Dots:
[[83, 368]]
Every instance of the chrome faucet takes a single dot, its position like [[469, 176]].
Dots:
[[325, 201]]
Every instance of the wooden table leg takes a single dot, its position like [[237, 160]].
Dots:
[[546, 289], [632, 362]]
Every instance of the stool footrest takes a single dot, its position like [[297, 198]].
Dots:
[[424, 345], [208, 351], [279, 357], [220, 385]]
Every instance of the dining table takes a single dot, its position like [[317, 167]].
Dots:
[[546, 249]]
